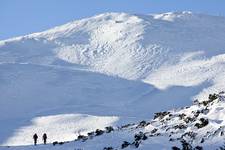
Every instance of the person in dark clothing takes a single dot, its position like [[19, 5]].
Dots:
[[35, 137], [44, 137]]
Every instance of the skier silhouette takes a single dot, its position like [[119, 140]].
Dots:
[[44, 137], [35, 137]]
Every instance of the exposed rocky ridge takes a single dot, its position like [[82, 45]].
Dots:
[[194, 127], [188, 128], [197, 127]]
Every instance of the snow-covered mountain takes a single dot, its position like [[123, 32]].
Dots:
[[109, 69]]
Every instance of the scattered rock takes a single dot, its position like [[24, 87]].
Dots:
[[202, 140], [161, 115], [205, 111], [171, 139], [196, 102], [140, 136], [109, 129], [222, 133], [91, 133], [82, 137], [136, 144], [99, 132], [180, 126], [127, 125], [222, 147], [125, 144], [203, 123], [54, 143], [142, 124], [198, 148], [185, 145], [181, 116], [175, 148], [197, 113], [213, 97], [61, 143], [189, 119], [222, 92], [108, 148], [190, 134], [154, 131]]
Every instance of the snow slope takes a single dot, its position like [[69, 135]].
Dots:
[[29, 92], [201, 125], [114, 65]]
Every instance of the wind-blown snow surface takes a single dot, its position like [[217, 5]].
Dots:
[[113, 65]]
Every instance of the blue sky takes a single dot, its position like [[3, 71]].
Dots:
[[20, 17]]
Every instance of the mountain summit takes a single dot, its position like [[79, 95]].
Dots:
[[125, 45]]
